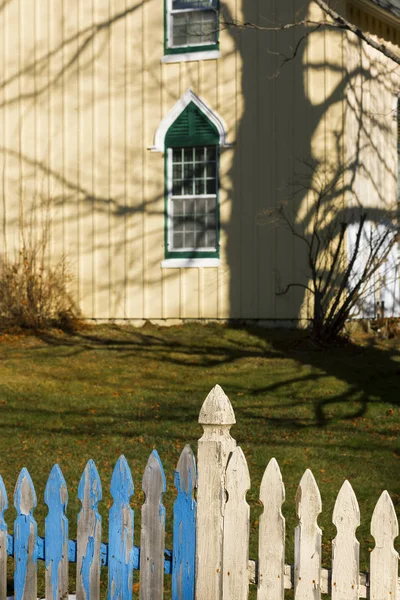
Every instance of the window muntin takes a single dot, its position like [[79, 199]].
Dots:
[[192, 23], [193, 204]]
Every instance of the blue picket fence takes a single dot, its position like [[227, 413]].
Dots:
[[89, 552]]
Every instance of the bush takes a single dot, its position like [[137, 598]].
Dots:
[[33, 291]]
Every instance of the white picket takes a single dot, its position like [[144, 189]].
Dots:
[[152, 535], [88, 535], [384, 558], [236, 529], [308, 540], [345, 547], [216, 417], [271, 543]]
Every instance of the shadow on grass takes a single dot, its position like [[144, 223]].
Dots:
[[370, 370]]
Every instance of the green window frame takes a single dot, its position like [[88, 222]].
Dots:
[[192, 187], [191, 26]]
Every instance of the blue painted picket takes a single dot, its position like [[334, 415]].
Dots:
[[120, 536], [56, 536], [3, 541], [184, 541], [25, 534], [88, 552]]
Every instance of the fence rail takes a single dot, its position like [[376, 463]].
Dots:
[[209, 559]]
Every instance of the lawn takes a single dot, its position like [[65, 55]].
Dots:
[[111, 390]]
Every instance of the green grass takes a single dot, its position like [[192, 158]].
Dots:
[[110, 390]]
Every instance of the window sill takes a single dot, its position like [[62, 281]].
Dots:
[[191, 56], [184, 263]]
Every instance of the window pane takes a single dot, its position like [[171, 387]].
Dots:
[[211, 187], [189, 240], [200, 154], [178, 240], [189, 207], [201, 206], [210, 169], [188, 187], [194, 27], [177, 172], [177, 155], [199, 186], [188, 171], [178, 207], [211, 238], [177, 188], [211, 153], [179, 223], [188, 154]]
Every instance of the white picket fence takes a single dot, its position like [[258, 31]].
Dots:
[[223, 569]]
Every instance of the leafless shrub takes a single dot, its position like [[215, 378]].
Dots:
[[34, 290]]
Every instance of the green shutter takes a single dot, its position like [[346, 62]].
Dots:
[[191, 128]]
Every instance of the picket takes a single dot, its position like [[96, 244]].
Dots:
[[236, 529], [184, 538], [271, 545], [308, 540], [25, 535], [3, 541], [89, 535], [152, 536], [384, 558], [120, 536], [56, 536], [345, 546], [214, 447]]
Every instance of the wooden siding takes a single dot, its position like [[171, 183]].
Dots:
[[82, 92]]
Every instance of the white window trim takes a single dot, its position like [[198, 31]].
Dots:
[[191, 56], [188, 97], [185, 263], [169, 209]]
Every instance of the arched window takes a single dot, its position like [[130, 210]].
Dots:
[[191, 136], [192, 156]]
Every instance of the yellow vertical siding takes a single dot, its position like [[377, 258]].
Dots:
[[82, 93]]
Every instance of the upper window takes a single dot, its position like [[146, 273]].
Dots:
[[192, 149], [191, 25]]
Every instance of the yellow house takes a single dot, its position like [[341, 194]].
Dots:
[[161, 131]]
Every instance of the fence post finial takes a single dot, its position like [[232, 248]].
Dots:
[[214, 448]]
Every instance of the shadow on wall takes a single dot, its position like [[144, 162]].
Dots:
[[308, 111]]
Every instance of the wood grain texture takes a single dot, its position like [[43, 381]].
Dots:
[[25, 535], [236, 529], [56, 536], [214, 448], [271, 545], [184, 538], [3, 541], [120, 537], [345, 546], [384, 558], [308, 540], [152, 537], [89, 535]]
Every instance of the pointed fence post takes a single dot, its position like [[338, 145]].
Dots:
[[152, 535], [56, 536], [214, 448], [3, 541], [25, 536], [345, 546], [271, 544], [308, 540], [89, 535], [120, 546], [384, 558], [236, 529], [184, 542]]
